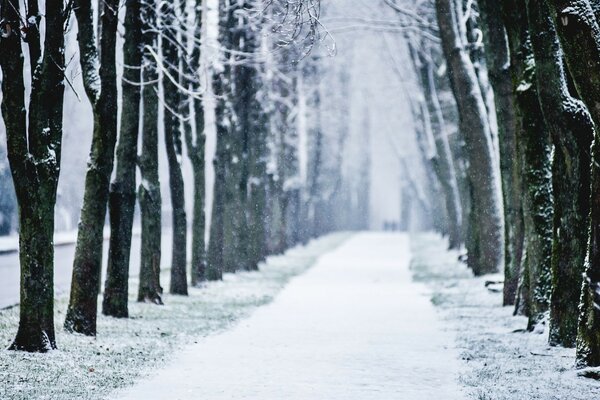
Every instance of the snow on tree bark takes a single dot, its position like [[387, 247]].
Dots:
[[149, 190], [101, 89], [172, 54], [534, 150], [498, 61], [572, 131], [34, 154], [485, 227], [122, 190], [579, 35]]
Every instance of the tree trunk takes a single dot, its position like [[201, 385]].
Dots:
[[443, 163], [498, 61], [196, 153], [34, 156], [579, 35], [172, 131], [572, 132], [122, 190], [485, 246], [87, 266], [149, 190], [534, 149]]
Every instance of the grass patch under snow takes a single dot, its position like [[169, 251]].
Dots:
[[501, 361], [125, 349]]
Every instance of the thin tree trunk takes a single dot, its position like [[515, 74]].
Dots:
[[579, 35], [149, 190], [498, 61], [196, 153], [34, 155], [443, 163], [101, 88], [122, 190]]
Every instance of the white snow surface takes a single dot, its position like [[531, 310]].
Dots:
[[355, 326], [502, 360]]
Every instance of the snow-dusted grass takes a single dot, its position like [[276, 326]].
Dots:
[[501, 361], [90, 368]]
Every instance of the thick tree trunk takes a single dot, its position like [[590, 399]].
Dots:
[[572, 131], [534, 149], [87, 266], [172, 131], [498, 61], [149, 190], [122, 190], [579, 35], [485, 229], [34, 156]]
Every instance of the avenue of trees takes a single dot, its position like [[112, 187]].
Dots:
[[253, 64], [510, 96], [505, 121]]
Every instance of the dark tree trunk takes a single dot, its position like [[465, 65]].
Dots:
[[572, 131], [579, 35], [485, 229], [498, 61], [173, 131], [196, 153], [221, 81], [122, 190], [534, 149], [34, 156], [87, 266], [149, 190]]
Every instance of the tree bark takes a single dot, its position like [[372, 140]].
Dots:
[[101, 88], [485, 229], [498, 61], [572, 132], [442, 162], [221, 81], [579, 35], [122, 190], [150, 290], [34, 156], [173, 132]]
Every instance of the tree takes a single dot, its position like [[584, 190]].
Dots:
[[498, 61], [100, 82], [34, 148], [534, 149], [579, 35], [172, 54], [485, 236], [221, 80], [195, 147], [572, 131], [122, 190], [149, 190]]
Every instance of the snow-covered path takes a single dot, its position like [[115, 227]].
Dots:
[[353, 327]]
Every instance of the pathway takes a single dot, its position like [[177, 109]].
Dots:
[[353, 327]]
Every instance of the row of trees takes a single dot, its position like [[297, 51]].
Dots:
[[524, 78], [256, 75]]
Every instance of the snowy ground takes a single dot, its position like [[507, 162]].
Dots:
[[87, 368], [502, 361], [354, 327]]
